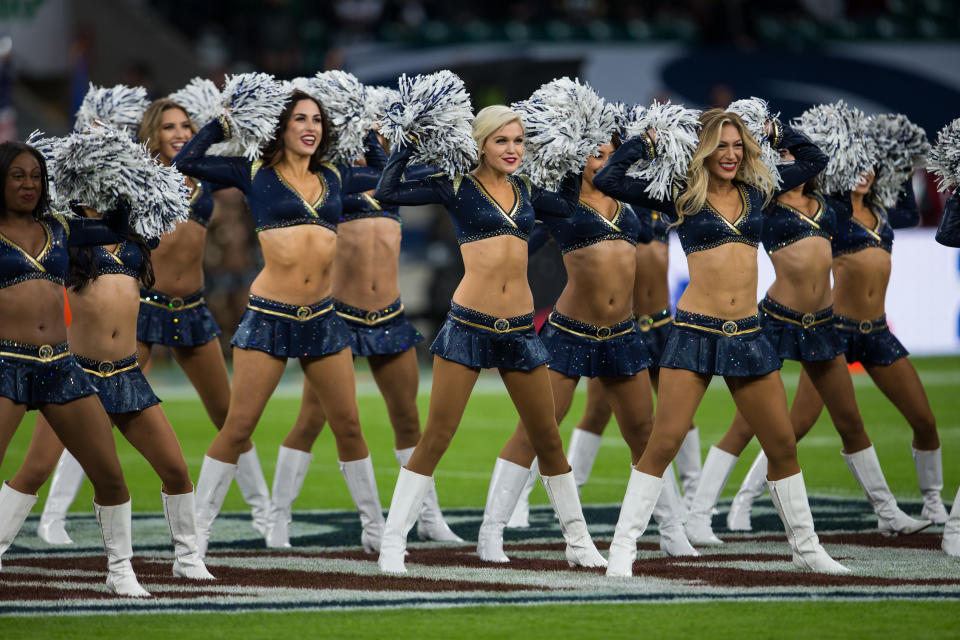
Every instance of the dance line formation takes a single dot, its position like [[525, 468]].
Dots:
[[102, 235]]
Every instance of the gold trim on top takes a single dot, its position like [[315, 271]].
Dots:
[[35, 261], [373, 201], [312, 208], [617, 214], [744, 210], [486, 194], [875, 231], [176, 304], [813, 220]]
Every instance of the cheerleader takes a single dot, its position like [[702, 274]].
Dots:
[[591, 333], [490, 323], [295, 199], [38, 370], [715, 332], [797, 318]]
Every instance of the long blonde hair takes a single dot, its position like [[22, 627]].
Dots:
[[751, 169], [149, 130], [488, 120]]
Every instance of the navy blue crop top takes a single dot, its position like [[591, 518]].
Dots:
[[784, 225], [126, 259], [853, 236], [707, 228], [587, 226], [362, 205], [62, 231], [475, 213], [948, 234], [273, 201], [661, 226]]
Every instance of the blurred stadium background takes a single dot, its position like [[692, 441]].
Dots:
[[879, 55]]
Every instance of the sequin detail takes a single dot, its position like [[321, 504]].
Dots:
[[379, 332], [121, 385], [175, 321], [291, 331], [869, 342], [34, 375], [478, 340], [716, 346], [581, 349], [804, 337]]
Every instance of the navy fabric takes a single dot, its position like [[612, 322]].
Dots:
[[654, 330], [869, 342], [853, 236], [121, 385], [16, 265], [805, 337], [587, 227], [288, 331], [39, 374], [175, 322], [700, 343], [784, 225], [480, 341], [376, 333], [948, 234], [580, 349]]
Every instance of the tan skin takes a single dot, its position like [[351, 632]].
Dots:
[[297, 270], [860, 288], [104, 328], [598, 276], [495, 283], [33, 312], [723, 284], [178, 266]]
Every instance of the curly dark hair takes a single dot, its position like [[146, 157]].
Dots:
[[9, 151], [273, 151]]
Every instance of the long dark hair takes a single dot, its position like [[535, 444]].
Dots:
[[9, 151], [84, 268], [273, 152]]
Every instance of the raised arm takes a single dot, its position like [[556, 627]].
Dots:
[[614, 182], [559, 204], [809, 160], [111, 228], [359, 179], [645, 233], [538, 238], [393, 189], [949, 232], [192, 159], [905, 213]]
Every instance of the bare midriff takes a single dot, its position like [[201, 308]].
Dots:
[[723, 282], [178, 261], [297, 262], [860, 283], [104, 312], [803, 275], [32, 312], [495, 277], [599, 283], [651, 289], [365, 271]]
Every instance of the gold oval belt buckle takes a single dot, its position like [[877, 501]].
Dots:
[[729, 327], [373, 316], [176, 303], [303, 313], [105, 368], [45, 352], [603, 333], [807, 320], [866, 326], [501, 325], [644, 322]]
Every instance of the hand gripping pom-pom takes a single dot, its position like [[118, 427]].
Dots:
[[841, 132], [677, 136], [755, 113], [253, 103], [944, 158], [902, 147], [120, 107], [378, 102]]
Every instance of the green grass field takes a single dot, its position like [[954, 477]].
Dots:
[[462, 481]]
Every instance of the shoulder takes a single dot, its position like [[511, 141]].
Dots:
[[523, 181], [57, 220], [329, 167]]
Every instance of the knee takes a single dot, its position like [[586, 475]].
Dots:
[[175, 477], [406, 421], [595, 419], [310, 423], [31, 476], [924, 422], [780, 449], [110, 489]]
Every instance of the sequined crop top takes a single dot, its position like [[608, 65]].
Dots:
[[707, 228], [126, 259], [62, 231], [357, 206], [273, 201], [201, 201], [948, 234], [853, 236], [785, 225], [476, 214], [587, 227]]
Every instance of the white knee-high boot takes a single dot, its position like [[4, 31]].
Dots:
[[430, 524], [404, 507], [752, 487], [181, 513], [520, 519], [929, 466], [506, 484], [951, 530], [790, 499], [253, 488], [114, 524], [716, 471], [670, 513], [362, 485], [562, 491], [641, 496], [14, 509], [582, 453], [66, 482], [211, 489], [288, 477], [891, 520], [689, 466]]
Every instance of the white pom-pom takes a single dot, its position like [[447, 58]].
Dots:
[[46, 146], [253, 104], [98, 166], [755, 113], [344, 99], [902, 147], [841, 132], [944, 158], [677, 136], [565, 122], [119, 106], [378, 102], [201, 99], [434, 109]]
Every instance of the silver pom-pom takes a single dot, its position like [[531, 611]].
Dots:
[[253, 103], [378, 102], [755, 113], [944, 158], [841, 132], [677, 136], [902, 147], [101, 165], [46, 146], [201, 99], [565, 122], [119, 106], [344, 99], [434, 110]]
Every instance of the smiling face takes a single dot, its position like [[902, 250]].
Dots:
[[174, 132], [304, 129], [597, 162], [503, 149], [864, 183], [24, 183], [724, 162]]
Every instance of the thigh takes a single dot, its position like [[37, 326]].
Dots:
[[11, 414], [680, 394], [150, 433], [518, 448], [835, 387], [255, 377], [333, 381], [738, 436], [632, 401], [398, 377], [762, 400], [901, 384], [207, 372], [532, 395], [597, 413], [807, 405], [562, 387], [41, 459]]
